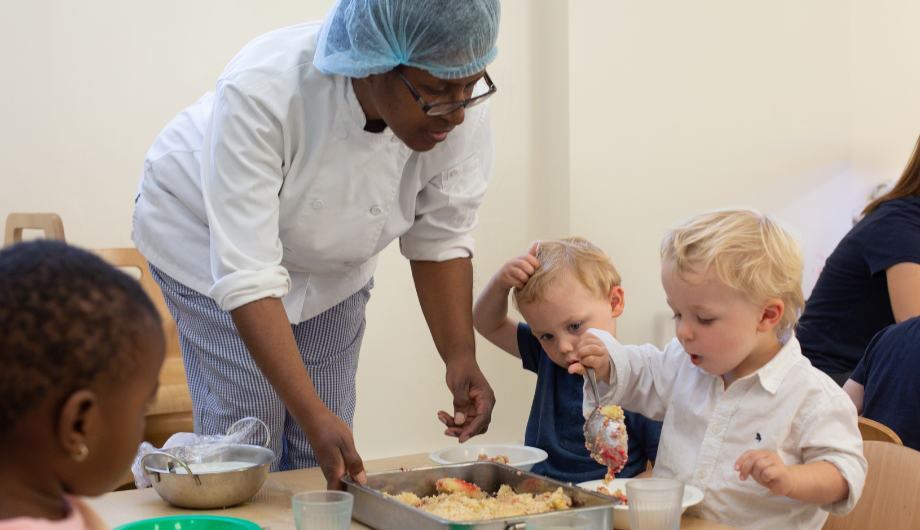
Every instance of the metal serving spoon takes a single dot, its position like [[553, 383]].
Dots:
[[604, 436]]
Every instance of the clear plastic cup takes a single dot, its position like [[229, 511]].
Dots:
[[560, 522], [654, 503], [322, 510]]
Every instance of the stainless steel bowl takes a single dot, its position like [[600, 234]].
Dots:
[[216, 489]]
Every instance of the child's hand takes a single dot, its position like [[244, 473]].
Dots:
[[768, 469], [592, 352], [518, 270]]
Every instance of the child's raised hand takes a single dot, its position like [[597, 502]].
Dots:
[[591, 352], [767, 469], [518, 270]]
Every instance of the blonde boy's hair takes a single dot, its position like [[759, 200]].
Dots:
[[576, 255], [751, 252]]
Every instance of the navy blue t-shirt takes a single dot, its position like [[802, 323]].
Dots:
[[890, 372], [556, 422], [850, 302]]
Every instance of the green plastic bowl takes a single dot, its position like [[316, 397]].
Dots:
[[191, 522]]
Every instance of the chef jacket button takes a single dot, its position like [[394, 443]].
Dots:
[[341, 133], [453, 173], [394, 139], [318, 204], [717, 429], [702, 473], [376, 210], [349, 263]]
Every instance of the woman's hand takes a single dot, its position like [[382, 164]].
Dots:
[[592, 353], [334, 447], [473, 401]]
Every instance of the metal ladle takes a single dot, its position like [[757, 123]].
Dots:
[[600, 431]]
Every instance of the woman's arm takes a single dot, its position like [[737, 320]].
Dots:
[[904, 290], [445, 293], [263, 326]]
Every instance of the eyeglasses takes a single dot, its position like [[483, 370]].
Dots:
[[440, 109]]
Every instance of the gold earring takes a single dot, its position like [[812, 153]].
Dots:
[[81, 456]]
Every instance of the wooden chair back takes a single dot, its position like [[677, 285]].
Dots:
[[876, 432], [50, 223], [171, 411], [889, 498]]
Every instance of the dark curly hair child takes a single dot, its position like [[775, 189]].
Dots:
[[80, 351]]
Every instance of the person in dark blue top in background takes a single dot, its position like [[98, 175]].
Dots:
[[562, 288], [869, 282], [885, 386]]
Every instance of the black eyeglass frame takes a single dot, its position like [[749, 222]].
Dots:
[[440, 109]]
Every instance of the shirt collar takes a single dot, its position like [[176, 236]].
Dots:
[[772, 374]]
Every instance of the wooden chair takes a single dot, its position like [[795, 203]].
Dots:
[[876, 432], [889, 499], [50, 223], [171, 411]]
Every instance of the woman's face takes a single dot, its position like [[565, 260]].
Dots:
[[386, 97]]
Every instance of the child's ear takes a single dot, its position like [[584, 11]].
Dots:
[[771, 314], [617, 299], [76, 421]]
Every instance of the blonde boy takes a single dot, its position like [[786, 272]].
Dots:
[[562, 288], [771, 441]]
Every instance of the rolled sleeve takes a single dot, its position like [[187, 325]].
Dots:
[[445, 211], [644, 379], [241, 169], [831, 434]]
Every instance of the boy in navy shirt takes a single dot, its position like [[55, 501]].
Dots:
[[885, 386], [562, 288]]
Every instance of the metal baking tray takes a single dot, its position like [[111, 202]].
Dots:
[[378, 511]]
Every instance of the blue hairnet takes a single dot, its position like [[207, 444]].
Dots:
[[448, 38]]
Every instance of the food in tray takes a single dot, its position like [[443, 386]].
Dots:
[[461, 501], [501, 459], [618, 493], [613, 456]]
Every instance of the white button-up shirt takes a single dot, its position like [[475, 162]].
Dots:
[[787, 406], [270, 187]]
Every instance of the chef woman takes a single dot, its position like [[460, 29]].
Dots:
[[262, 209]]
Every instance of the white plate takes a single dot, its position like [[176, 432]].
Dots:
[[520, 456], [692, 496]]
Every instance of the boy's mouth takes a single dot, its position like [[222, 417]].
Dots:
[[695, 359]]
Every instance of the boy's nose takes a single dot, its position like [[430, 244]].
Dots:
[[684, 333], [565, 346]]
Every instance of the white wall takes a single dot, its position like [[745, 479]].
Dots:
[[678, 107], [613, 119]]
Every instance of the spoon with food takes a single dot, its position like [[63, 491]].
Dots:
[[605, 432]]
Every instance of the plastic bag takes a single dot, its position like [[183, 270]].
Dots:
[[190, 447]]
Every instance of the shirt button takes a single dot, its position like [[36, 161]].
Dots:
[[702, 473], [376, 210], [341, 133], [318, 204], [453, 173], [394, 139], [717, 429]]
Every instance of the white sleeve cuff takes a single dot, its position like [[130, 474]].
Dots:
[[855, 475], [419, 249], [242, 287], [619, 366]]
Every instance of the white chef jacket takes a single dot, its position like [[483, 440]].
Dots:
[[270, 187], [787, 406]]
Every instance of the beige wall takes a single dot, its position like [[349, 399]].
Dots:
[[613, 119]]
